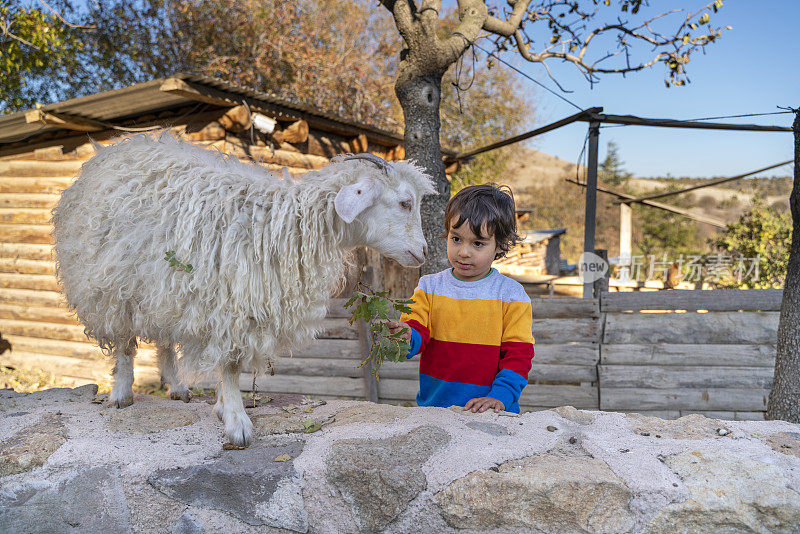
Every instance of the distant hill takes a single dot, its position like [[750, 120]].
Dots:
[[538, 182]]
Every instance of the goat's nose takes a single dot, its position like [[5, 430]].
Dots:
[[424, 251]]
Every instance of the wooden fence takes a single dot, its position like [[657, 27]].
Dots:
[[671, 353]]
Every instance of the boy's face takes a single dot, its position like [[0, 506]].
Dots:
[[470, 255]]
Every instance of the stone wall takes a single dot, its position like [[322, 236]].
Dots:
[[69, 463]]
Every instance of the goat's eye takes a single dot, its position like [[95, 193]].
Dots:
[[406, 204]]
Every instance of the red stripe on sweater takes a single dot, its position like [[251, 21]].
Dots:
[[517, 357], [460, 362]]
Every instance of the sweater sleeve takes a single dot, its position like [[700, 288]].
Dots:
[[418, 321], [516, 353]]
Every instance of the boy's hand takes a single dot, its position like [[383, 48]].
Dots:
[[396, 326], [481, 404]]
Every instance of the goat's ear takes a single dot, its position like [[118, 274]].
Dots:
[[355, 198]]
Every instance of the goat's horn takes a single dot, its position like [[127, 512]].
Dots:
[[381, 163]]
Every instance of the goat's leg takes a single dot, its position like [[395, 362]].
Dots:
[[166, 365], [238, 427], [122, 390], [219, 407]]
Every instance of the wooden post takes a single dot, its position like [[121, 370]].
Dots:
[[601, 284], [370, 275], [625, 232], [591, 199]]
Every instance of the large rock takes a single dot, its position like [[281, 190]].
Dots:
[[380, 477], [90, 501], [31, 446], [68, 464], [47, 398], [692, 426], [144, 418], [559, 491], [240, 482], [728, 494]]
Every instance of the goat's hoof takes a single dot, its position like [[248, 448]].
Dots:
[[180, 393], [218, 409], [239, 430], [123, 402]]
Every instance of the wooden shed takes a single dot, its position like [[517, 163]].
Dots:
[[41, 151]]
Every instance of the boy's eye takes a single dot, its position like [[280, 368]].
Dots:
[[456, 239], [478, 244]]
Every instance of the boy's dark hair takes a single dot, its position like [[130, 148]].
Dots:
[[489, 204]]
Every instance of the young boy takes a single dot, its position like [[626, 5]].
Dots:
[[471, 324]]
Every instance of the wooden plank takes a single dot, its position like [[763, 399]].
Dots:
[[336, 308], [31, 297], [63, 120], [26, 251], [563, 374], [41, 282], [736, 399], [143, 371], [63, 332], [689, 354], [27, 233], [85, 350], [566, 330], [317, 367], [12, 265], [566, 353], [337, 329], [28, 200], [306, 385], [24, 216], [551, 308], [533, 394], [37, 168], [34, 185], [330, 348], [72, 349], [671, 377], [711, 300], [749, 416], [44, 314], [583, 397], [712, 327]]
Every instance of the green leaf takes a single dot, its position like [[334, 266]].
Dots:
[[310, 426]]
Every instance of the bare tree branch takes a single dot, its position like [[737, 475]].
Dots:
[[5, 29], [508, 27], [59, 17]]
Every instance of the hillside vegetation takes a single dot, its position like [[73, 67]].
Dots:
[[539, 182]]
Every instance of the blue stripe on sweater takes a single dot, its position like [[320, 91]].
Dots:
[[445, 394]]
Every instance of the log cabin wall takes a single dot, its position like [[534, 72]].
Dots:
[[34, 316]]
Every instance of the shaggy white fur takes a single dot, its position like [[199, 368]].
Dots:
[[267, 253]]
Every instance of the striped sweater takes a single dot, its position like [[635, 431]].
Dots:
[[475, 339]]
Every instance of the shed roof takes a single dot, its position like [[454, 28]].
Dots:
[[538, 236], [119, 107]]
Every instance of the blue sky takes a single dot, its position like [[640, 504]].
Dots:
[[752, 69]]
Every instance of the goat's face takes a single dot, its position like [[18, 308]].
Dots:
[[387, 217]]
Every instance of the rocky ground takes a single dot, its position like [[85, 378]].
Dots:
[[69, 463]]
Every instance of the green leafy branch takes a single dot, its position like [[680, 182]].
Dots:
[[173, 262], [375, 308]]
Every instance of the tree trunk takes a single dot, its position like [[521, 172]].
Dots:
[[419, 97], [784, 399]]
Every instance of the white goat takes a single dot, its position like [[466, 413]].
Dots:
[[267, 252]]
